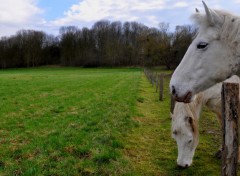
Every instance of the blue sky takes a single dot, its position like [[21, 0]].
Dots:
[[54, 9], [50, 15]]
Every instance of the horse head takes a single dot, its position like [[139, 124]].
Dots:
[[185, 132], [212, 56]]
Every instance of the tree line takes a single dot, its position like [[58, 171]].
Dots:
[[105, 44]]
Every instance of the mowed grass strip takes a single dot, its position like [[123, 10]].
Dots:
[[66, 121], [152, 151]]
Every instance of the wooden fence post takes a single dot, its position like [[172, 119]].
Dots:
[[157, 82], [172, 105], [152, 78], [161, 87], [230, 101]]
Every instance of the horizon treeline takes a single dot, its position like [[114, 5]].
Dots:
[[105, 44]]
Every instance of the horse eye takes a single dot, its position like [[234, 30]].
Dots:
[[202, 45], [175, 132], [190, 141]]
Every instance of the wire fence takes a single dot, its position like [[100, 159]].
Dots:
[[157, 81]]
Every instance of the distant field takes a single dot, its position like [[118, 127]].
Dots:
[[74, 121]]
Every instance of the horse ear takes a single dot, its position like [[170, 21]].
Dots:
[[212, 17], [208, 13], [197, 11]]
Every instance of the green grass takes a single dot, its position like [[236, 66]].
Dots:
[[74, 121], [152, 151], [65, 121]]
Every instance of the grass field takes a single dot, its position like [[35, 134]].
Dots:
[[73, 121], [65, 121]]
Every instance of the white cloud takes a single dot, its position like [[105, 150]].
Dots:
[[93, 10], [153, 20], [149, 12], [148, 5], [18, 14], [17, 11], [181, 4], [25, 14]]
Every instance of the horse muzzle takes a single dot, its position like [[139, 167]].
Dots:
[[183, 164], [185, 98]]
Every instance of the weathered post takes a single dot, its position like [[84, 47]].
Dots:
[[148, 75], [152, 78], [157, 82], [161, 87], [230, 101], [172, 105]]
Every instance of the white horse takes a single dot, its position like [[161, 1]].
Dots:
[[212, 57], [185, 120]]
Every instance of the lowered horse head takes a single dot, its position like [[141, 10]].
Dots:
[[185, 131], [212, 57]]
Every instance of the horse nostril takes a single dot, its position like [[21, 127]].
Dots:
[[173, 90], [186, 165]]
